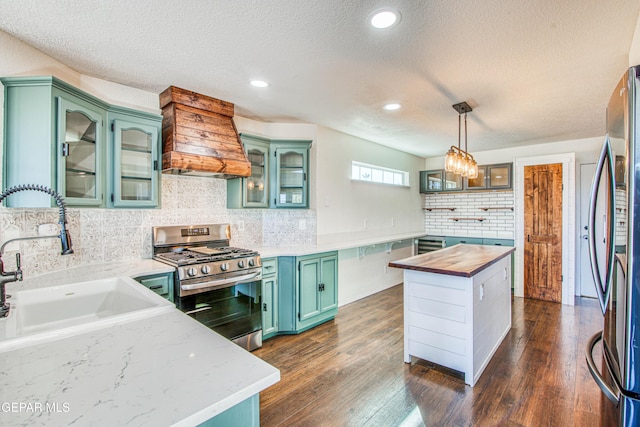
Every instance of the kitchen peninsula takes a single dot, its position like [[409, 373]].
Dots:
[[457, 306]]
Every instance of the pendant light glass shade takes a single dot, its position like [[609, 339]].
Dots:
[[457, 160]]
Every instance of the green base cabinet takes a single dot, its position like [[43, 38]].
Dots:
[[78, 145], [269, 298], [308, 291], [244, 414], [162, 284]]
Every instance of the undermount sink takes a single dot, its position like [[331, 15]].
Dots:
[[39, 315]]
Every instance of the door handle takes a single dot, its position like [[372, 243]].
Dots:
[[602, 283], [611, 391]]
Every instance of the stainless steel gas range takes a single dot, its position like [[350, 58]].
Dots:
[[218, 285]]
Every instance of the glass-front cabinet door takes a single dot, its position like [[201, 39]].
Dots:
[[452, 182], [135, 164], [431, 181], [81, 164], [256, 187], [290, 186], [499, 176]]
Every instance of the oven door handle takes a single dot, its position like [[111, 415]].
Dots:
[[221, 282], [197, 310]]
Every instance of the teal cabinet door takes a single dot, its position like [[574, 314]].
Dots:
[[81, 160], [134, 158], [307, 291], [244, 414], [162, 284], [269, 306], [309, 288], [318, 289], [270, 312], [290, 185], [252, 191], [329, 283]]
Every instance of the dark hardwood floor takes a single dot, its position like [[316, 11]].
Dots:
[[350, 372]]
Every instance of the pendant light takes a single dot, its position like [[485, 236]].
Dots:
[[457, 160]]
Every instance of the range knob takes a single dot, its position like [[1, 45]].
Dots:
[[192, 271], [224, 266], [205, 269], [241, 263], [252, 262]]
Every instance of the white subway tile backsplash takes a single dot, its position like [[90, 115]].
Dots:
[[498, 222]]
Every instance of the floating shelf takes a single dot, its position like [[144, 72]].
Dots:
[[467, 219], [497, 208], [439, 209]]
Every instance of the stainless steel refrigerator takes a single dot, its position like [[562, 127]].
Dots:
[[614, 239]]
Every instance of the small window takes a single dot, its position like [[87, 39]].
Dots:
[[378, 174]]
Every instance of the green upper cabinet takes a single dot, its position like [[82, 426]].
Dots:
[[279, 175], [492, 177], [61, 137], [290, 184], [252, 191], [134, 155], [435, 181]]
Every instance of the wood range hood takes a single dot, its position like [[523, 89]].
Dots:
[[199, 136]]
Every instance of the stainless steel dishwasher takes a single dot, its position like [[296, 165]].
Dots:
[[428, 244]]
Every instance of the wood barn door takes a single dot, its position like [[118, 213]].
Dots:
[[543, 232]]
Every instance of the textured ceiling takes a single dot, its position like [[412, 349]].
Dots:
[[534, 71]]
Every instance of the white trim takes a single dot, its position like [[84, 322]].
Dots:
[[568, 161]]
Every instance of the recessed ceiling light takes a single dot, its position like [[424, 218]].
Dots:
[[391, 107], [258, 83], [384, 18]]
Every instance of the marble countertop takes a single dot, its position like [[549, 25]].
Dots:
[[163, 370], [334, 243], [459, 260]]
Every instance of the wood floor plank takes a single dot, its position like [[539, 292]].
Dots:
[[350, 372]]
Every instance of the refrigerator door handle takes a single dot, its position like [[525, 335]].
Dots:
[[611, 391], [605, 162]]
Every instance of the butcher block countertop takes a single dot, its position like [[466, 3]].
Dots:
[[460, 260]]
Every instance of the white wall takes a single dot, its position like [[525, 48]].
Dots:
[[343, 205], [586, 150], [634, 50]]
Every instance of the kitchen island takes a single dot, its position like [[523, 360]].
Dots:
[[457, 306], [163, 370]]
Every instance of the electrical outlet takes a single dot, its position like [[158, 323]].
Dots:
[[366, 223], [240, 225], [48, 229], [302, 224]]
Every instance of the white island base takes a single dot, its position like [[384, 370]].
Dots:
[[457, 322]]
